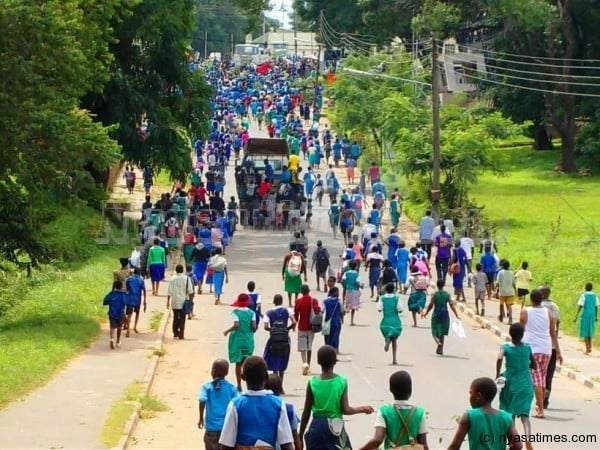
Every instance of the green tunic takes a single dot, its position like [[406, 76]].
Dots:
[[517, 394], [587, 326], [241, 340], [440, 319], [482, 424], [394, 212], [292, 284], [390, 325], [393, 425]]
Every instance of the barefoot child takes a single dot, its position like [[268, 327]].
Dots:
[[327, 401], [484, 421], [400, 423], [255, 301], [352, 286], [523, 279], [440, 320], [136, 289], [390, 325], [241, 428], [418, 293], [517, 394], [115, 300], [212, 403], [274, 384], [587, 305], [480, 280]]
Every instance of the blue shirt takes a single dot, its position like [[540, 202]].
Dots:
[[116, 304], [488, 262], [135, 285], [426, 226], [216, 400]]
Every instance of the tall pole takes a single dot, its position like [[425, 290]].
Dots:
[[295, 40], [435, 169], [232, 49], [205, 44]]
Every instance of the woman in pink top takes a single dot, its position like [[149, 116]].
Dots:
[[358, 250], [540, 334]]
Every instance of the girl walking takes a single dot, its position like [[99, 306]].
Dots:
[[327, 401], [517, 394], [241, 335], [373, 265], [390, 325], [352, 287], [440, 320], [334, 314], [587, 305]]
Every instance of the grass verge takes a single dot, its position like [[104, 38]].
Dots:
[[55, 317], [155, 320], [149, 406], [119, 414]]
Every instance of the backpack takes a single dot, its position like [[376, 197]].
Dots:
[[171, 230], [279, 341], [322, 261], [421, 283], [294, 265]]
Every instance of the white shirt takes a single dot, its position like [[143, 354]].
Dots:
[[436, 232], [467, 244], [230, 426], [398, 305], [401, 404], [449, 226], [368, 228], [537, 330], [180, 288]]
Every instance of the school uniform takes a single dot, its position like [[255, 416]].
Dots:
[[216, 395]]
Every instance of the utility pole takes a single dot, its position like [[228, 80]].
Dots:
[[232, 49], [318, 66], [436, 156], [295, 40], [205, 44]]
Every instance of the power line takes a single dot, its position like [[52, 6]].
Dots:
[[546, 58], [548, 74], [381, 75]]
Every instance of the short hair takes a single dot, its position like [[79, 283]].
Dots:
[[536, 297], [117, 285], [326, 356], [486, 387], [589, 286], [524, 265], [478, 267], [255, 370], [156, 241], [389, 288], [516, 331], [277, 299], [274, 384], [304, 289], [505, 264], [179, 268], [334, 292], [401, 385], [251, 285], [440, 284]]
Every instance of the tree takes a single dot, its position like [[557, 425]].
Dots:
[[154, 102], [52, 53]]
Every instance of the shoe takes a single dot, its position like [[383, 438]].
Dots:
[[387, 345], [305, 369], [112, 344]]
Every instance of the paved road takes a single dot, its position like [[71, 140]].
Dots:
[[440, 383]]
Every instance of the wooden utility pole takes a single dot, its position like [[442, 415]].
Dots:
[[436, 156], [205, 44]]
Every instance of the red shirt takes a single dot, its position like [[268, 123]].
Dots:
[[302, 311]]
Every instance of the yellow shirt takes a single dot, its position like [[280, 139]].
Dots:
[[523, 278], [294, 162]]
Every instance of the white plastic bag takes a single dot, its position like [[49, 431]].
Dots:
[[458, 329], [134, 259]]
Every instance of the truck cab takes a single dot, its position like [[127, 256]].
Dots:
[[259, 149]]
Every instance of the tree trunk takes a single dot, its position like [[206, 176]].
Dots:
[[568, 129], [541, 139]]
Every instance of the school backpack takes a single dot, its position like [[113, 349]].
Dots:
[[322, 261], [279, 341], [421, 283], [294, 265], [171, 230]]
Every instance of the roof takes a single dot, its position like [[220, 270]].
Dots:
[[266, 146]]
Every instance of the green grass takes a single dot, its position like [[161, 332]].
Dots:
[[155, 320], [119, 414], [57, 316], [149, 406]]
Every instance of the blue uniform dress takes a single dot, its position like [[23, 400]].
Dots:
[[333, 312], [402, 258], [277, 363]]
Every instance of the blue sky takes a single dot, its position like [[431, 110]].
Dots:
[[276, 13]]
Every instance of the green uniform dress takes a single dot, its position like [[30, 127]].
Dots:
[[440, 319], [394, 212], [390, 325], [587, 326], [241, 340], [517, 394], [394, 426], [482, 424]]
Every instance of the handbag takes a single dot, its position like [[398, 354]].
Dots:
[[326, 328], [315, 319], [412, 444]]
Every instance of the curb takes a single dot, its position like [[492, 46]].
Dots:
[[148, 379], [495, 329]]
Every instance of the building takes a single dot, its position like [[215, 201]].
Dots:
[[458, 63], [289, 42]]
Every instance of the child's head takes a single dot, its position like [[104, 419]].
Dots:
[[350, 245], [401, 385], [331, 282], [278, 300], [516, 332], [505, 264], [352, 265], [478, 267], [326, 357], [524, 265], [137, 271], [124, 262], [389, 288], [251, 286], [255, 373], [589, 286], [117, 285], [274, 384], [482, 392], [334, 292], [440, 284], [220, 368]]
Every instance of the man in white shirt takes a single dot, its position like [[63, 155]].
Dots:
[[467, 244], [180, 290], [368, 229]]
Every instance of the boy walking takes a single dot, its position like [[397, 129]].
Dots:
[[115, 300], [212, 403], [241, 429], [480, 286], [136, 289]]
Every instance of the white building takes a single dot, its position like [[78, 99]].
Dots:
[[457, 64]]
